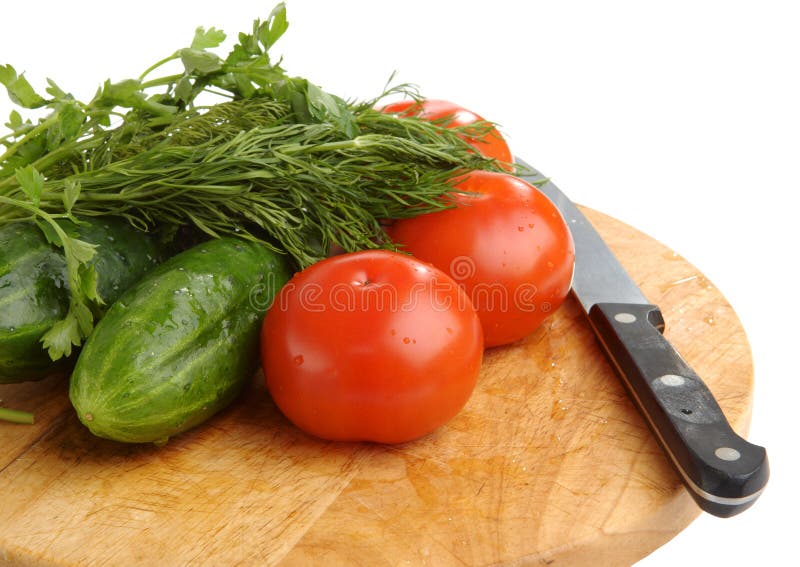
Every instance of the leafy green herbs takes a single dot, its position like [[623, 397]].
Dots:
[[143, 104], [274, 158]]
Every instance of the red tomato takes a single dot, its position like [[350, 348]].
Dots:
[[508, 246], [371, 346], [492, 145]]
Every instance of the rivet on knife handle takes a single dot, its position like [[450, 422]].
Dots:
[[723, 472]]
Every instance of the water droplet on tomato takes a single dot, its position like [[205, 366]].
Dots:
[[406, 340], [298, 360], [520, 228]]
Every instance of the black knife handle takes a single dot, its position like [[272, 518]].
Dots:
[[723, 472]]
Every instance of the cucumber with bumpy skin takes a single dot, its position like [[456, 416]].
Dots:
[[179, 345], [34, 293]]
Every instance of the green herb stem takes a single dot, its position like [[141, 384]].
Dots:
[[158, 64], [162, 81], [16, 416]]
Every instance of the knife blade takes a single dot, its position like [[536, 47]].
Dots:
[[723, 472]]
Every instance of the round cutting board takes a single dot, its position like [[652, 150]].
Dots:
[[548, 462]]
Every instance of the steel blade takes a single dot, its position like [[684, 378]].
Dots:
[[599, 277]]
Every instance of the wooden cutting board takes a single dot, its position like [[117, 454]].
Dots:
[[548, 463]]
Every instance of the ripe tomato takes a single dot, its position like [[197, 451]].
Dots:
[[506, 243], [493, 145], [371, 346]]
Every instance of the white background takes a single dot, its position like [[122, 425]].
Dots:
[[679, 118]]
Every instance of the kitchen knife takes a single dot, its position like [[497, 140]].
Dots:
[[724, 473]]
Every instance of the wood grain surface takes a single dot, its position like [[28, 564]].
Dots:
[[548, 463]]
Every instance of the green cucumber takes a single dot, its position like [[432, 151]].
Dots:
[[179, 345], [34, 293]]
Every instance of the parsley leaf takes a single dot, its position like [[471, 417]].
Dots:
[[270, 31], [82, 281], [200, 60], [31, 182], [19, 89], [204, 39], [81, 275]]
